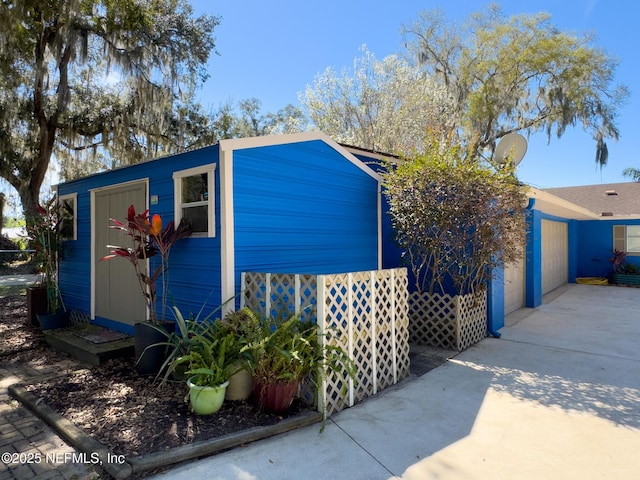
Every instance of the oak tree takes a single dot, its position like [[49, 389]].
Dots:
[[95, 79], [518, 74]]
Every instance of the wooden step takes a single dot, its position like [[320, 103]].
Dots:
[[73, 340]]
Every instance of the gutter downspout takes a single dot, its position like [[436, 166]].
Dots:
[[491, 330]]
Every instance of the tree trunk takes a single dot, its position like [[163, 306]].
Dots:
[[2, 204]]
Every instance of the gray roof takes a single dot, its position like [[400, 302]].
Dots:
[[604, 199]]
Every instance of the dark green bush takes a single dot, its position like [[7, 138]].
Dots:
[[8, 244]]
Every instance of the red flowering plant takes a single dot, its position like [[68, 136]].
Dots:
[[44, 233], [149, 239]]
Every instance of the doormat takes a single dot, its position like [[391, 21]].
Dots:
[[96, 334]]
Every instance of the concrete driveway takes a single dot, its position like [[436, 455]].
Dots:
[[557, 397]]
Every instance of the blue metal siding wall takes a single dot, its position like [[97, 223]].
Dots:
[[391, 253], [195, 262], [75, 278], [303, 208], [596, 247]]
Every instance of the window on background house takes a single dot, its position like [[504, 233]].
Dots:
[[194, 196], [626, 238], [68, 216]]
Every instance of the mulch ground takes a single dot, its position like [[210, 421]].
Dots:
[[126, 412]]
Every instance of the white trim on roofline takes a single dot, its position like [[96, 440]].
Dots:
[[549, 203], [271, 140]]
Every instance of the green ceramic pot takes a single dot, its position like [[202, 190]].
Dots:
[[206, 400]]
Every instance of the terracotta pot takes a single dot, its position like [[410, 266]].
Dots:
[[275, 397]]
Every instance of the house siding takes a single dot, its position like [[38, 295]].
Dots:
[[194, 265], [74, 272], [595, 247], [392, 254], [303, 208], [298, 207]]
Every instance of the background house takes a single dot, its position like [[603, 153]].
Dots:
[[302, 203], [572, 232], [296, 203], [616, 224]]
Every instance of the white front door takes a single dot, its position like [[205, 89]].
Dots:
[[118, 295]]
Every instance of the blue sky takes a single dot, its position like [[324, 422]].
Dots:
[[272, 50]]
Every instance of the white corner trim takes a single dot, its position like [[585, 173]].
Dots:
[[92, 242], [227, 229]]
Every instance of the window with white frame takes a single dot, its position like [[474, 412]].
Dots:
[[626, 238], [68, 210], [194, 199]]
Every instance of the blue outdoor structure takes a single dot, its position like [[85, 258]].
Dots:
[[585, 238], [296, 203]]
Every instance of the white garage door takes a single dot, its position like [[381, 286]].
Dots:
[[555, 255], [513, 286]]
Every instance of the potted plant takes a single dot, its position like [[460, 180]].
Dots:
[[209, 358], [44, 233], [624, 273], [284, 353], [243, 325], [148, 238]]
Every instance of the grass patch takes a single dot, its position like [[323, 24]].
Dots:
[[7, 290]]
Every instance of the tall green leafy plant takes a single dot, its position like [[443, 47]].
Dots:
[[148, 239], [455, 219], [288, 349], [44, 231]]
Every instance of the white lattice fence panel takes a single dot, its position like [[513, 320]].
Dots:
[[361, 351], [282, 294], [471, 318], [254, 287], [454, 323], [402, 322], [385, 332], [337, 331], [308, 297], [432, 320], [364, 313]]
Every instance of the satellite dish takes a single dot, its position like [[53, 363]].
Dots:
[[511, 147]]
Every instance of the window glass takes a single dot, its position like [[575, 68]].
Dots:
[[194, 188], [198, 216], [194, 202], [633, 238], [67, 211]]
